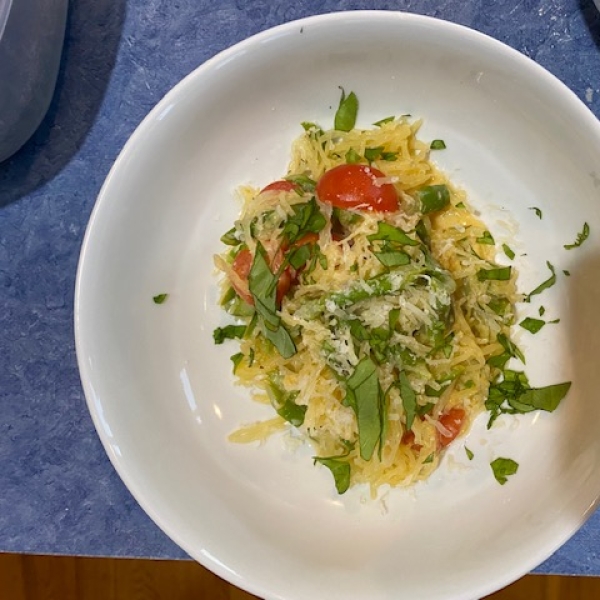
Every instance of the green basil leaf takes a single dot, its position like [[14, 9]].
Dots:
[[547, 398], [230, 237], [433, 198], [422, 231], [229, 332], [433, 392], [393, 317], [306, 184], [236, 359], [365, 392], [298, 257], [532, 325], [372, 154], [389, 233], [293, 413], [510, 347], [496, 274], [581, 237], [352, 157], [263, 287], [160, 298], [429, 459], [383, 121], [307, 218], [284, 402], [424, 409], [340, 469], [469, 453], [508, 251], [486, 239], [548, 283], [499, 304], [345, 116], [393, 258], [537, 211], [438, 145], [504, 468], [409, 399]]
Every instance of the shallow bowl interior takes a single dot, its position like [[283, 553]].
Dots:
[[162, 395]]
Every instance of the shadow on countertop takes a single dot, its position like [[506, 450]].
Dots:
[[592, 19], [92, 37]]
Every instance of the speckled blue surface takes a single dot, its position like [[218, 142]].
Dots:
[[58, 491]]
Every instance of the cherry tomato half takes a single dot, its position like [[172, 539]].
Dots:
[[408, 439], [356, 186], [452, 420], [242, 265], [282, 185]]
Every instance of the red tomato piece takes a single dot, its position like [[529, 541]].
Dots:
[[357, 187], [241, 267], [282, 185], [307, 238], [452, 420], [408, 439]]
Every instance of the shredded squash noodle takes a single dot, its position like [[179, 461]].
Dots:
[[370, 309]]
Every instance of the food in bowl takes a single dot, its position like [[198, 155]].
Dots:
[[373, 310]]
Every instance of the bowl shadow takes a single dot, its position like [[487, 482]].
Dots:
[[592, 19], [92, 36], [581, 435]]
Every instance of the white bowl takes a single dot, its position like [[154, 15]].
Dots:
[[162, 395]]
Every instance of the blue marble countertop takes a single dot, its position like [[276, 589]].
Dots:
[[58, 492]]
